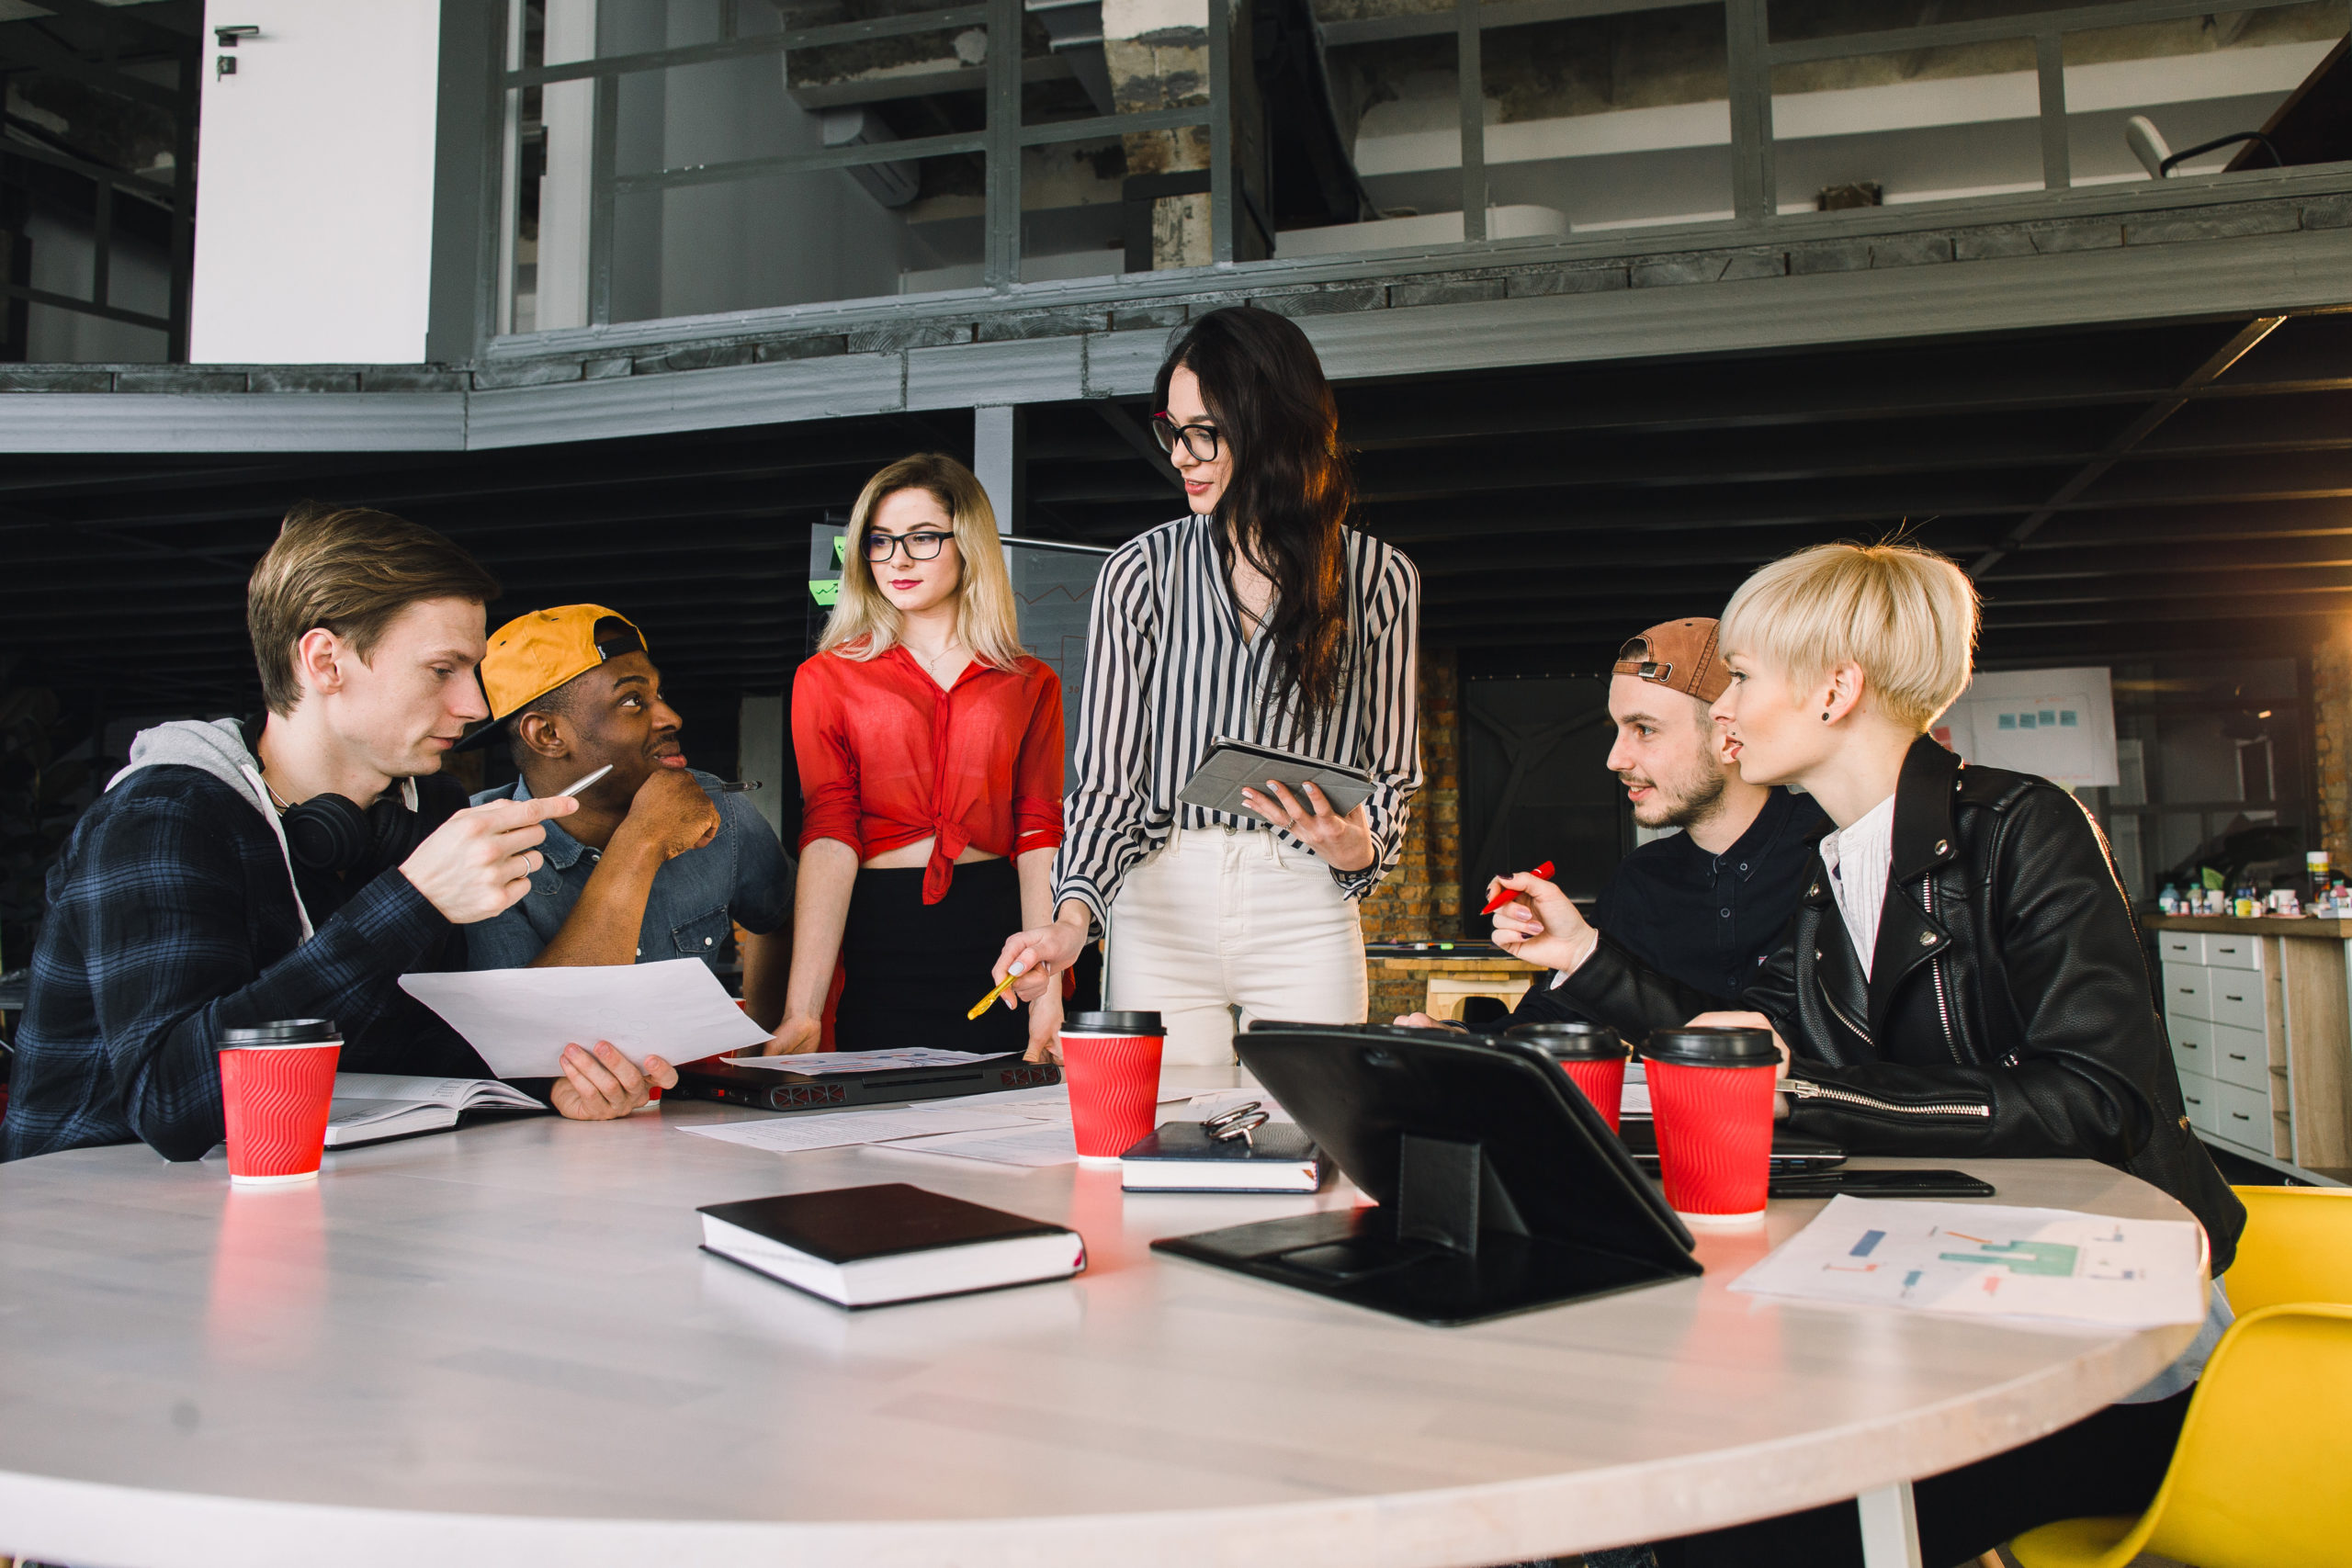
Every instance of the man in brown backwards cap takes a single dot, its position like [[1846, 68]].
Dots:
[[1706, 904]]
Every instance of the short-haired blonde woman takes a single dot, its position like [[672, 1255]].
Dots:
[[1963, 976], [930, 747]]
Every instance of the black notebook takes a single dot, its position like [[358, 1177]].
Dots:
[[859, 1246], [1185, 1157]]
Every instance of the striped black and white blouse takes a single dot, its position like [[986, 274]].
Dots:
[[1168, 673]]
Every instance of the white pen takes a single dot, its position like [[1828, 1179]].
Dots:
[[578, 785]]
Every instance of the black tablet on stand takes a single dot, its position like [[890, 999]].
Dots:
[[1500, 1189]]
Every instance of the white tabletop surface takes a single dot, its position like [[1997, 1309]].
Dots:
[[501, 1346]]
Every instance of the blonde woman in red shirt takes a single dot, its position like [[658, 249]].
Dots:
[[930, 747]]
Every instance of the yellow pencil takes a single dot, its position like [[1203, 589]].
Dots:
[[982, 1005]]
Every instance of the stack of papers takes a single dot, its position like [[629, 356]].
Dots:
[[1991, 1261], [1022, 1127]]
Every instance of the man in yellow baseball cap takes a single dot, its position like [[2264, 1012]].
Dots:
[[660, 861]]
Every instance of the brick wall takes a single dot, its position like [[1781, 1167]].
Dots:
[[2332, 744], [1423, 897]]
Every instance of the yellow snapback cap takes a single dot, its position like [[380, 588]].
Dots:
[[532, 655]]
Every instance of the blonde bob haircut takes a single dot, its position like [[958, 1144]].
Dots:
[[864, 625], [1907, 616]]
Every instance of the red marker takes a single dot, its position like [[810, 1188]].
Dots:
[[1507, 895]]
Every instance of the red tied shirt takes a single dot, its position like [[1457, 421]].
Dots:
[[888, 757]]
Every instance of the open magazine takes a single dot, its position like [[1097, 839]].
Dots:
[[371, 1107]]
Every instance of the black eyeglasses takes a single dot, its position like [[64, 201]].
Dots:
[[922, 546], [1200, 440]]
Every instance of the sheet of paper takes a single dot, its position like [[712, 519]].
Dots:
[[789, 1134], [1992, 1261], [519, 1021], [822, 1062], [1039, 1144]]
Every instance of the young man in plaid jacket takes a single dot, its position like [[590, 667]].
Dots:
[[293, 867]]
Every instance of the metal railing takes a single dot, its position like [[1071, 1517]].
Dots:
[[1000, 143], [1751, 59]]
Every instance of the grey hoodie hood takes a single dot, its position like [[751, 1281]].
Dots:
[[217, 747]]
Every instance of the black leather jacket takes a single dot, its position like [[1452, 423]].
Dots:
[[2008, 1012]]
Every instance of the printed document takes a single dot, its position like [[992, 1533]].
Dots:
[[519, 1021], [1034, 1144], [1990, 1260], [790, 1134]]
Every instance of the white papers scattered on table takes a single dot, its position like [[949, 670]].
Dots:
[[519, 1021], [822, 1062], [789, 1134], [1991, 1261], [1038, 1144]]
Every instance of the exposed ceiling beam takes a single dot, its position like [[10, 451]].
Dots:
[[2241, 343]]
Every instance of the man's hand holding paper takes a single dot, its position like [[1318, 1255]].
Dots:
[[586, 1025]]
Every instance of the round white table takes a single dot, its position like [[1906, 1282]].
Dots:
[[502, 1346]]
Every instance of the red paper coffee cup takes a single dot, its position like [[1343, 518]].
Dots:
[[1592, 1057], [1711, 1094], [277, 1086], [1111, 1061]]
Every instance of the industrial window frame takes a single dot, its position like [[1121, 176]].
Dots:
[[1751, 59], [120, 31]]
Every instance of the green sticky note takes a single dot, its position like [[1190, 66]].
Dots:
[[825, 591], [841, 549]]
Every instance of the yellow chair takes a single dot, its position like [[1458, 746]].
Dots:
[[2297, 1247], [2259, 1478]]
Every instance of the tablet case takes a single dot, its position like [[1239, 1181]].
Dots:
[[1499, 1187], [778, 1088], [1233, 765]]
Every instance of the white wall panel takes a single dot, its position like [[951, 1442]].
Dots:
[[314, 231]]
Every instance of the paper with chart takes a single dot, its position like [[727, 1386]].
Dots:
[[1992, 1261], [790, 1134], [818, 1063], [519, 1021]]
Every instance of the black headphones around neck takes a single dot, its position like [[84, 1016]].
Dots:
[[329, 833]]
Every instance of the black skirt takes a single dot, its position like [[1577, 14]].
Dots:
[[912, 970]]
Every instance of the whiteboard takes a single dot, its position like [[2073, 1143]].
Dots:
[[2057, 723]]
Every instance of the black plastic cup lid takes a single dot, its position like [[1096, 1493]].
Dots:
[[284, 1032], [1567, 1040], [1710, 1045], [1113, 1023]]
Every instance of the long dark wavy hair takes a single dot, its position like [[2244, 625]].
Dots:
[[1292, 488]]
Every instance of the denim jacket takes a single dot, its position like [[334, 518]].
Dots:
[[742, 876]]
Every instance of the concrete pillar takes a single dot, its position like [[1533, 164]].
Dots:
[[1157, 54], [997, 460]]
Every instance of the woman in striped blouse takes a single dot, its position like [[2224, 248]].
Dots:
[[1261, 617]]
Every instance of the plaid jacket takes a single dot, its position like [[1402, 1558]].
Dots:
[[171, 919]]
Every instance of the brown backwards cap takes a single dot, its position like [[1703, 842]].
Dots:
[[1678, 655]]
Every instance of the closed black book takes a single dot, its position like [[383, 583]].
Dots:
[[1185, 1157], [868, 1246]]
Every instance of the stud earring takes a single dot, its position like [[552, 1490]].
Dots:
[[1825, 718]]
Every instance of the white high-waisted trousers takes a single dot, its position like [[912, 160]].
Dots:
[[1219, 918]]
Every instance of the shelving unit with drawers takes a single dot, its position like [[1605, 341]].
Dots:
[[2260, 1016]]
